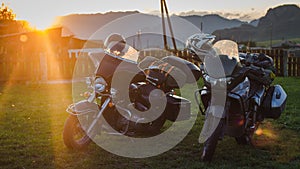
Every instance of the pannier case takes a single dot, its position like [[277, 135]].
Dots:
[[274, 102]]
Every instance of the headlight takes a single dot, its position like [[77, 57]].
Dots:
[[88, 81], [113, 91], [211, 80], [99, 85], [221, 81], [224, 81]]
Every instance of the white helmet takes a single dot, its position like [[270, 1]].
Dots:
[[115, 43], [200, 44]]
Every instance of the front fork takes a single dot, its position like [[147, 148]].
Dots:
[[251, 123], [103, 107]]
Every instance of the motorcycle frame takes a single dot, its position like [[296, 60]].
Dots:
[[232, 95]]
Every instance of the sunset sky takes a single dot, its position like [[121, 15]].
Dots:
[[41, 13]]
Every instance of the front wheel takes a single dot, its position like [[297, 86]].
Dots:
[[74, 136], [245, 139], [211, 143]]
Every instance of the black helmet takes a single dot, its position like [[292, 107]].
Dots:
[[115, 42]]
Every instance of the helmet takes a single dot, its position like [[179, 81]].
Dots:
[[200, 44], [115, 42]]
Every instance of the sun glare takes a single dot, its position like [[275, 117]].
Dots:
[[39, 25], [266, 132]]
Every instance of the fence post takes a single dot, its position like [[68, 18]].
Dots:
[[43, 66], [285, 63], [294, 65], [298, 66], [280, 57]]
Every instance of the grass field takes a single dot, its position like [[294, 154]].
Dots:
[[274, 42], [32, 119]]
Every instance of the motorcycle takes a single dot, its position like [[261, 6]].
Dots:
[[131, 108], [236, 97]]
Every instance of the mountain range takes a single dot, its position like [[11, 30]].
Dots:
[[280, 22]]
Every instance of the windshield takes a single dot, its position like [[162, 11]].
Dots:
[[227, 47], [222, 59], [129, 54]]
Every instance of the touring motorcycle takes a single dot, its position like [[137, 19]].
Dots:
[[236, 97], [132, 108]]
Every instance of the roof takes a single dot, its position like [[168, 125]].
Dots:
[[286, 44]]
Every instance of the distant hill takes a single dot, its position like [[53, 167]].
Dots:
[[213, 22], [282, 22], [83, 26]]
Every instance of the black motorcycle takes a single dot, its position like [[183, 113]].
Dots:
[[131, 108], [236, 97]]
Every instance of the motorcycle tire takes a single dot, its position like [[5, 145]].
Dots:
[[156, 125], [152, 128], [211, 143], [245, 139], [74, 136]]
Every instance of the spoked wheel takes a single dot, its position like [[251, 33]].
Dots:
[[211, 143], [74, 136]]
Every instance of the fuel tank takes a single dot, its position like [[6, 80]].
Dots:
[[186, 66]]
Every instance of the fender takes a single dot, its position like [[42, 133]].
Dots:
[[82, 107]]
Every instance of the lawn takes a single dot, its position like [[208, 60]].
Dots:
[[32, 119], [267, 43]]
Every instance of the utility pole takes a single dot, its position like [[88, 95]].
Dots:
[[271, 36], [163, 10], [201, 26]]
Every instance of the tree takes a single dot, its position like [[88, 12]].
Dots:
[[6, 14]]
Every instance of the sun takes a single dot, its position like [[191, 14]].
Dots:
[[40, 24]]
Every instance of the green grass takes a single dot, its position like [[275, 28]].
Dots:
[[32, 119], [290, 118], [267, 43]]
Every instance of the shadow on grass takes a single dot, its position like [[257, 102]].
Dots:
[[270, 151], [32, 119]]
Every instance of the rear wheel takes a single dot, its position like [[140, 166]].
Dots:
[[152, 128], [74, 136], [211, 143], [155, 126]]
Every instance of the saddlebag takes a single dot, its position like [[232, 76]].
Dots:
[[178, 108], [274, 102]]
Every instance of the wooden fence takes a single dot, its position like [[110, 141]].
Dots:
[[286, 62], [293, 63], [36, 67], [44, 66]]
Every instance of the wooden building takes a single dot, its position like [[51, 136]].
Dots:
[[38, 55]]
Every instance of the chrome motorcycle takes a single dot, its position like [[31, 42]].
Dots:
[[132, 108]]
